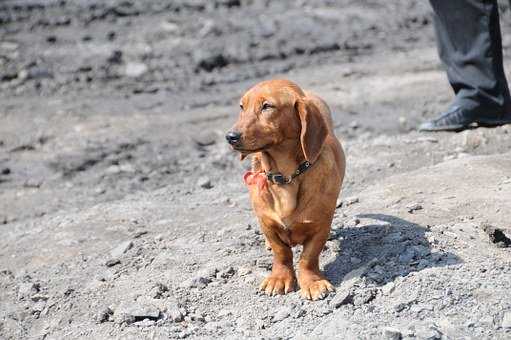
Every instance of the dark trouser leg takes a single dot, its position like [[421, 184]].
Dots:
[[469, 44]]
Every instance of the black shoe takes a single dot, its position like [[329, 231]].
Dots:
[[459, 119]]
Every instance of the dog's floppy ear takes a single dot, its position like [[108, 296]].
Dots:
[[314, 129]]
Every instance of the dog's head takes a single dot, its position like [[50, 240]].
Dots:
[[275, 111]]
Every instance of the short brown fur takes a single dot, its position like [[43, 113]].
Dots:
[[282, 126]]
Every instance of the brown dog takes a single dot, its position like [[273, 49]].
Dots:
[[297, 171]]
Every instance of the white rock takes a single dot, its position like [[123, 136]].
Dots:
[[506, 320], [121, 249], [135, 69], [281, 314]]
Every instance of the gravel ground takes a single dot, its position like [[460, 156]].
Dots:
[[123, 213]]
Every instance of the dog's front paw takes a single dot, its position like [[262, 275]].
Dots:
[[315, 289], [278, 284]]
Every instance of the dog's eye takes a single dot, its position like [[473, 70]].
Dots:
[[266, 106], [241, 106]]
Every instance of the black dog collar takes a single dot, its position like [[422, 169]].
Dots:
[[279, 179]]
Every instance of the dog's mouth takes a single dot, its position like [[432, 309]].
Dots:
[[245, 152]]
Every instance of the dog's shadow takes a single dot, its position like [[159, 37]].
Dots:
[[399, 247]]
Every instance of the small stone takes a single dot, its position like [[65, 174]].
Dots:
[[406, 256], [398, 307], [506, 320], [341, 298], [226, 273], [198, 282], [129, 312], [428, 333], [353, 222], [32, 183], [403, 121], [112, 262], [121, 249], [354, 125], [497, 236], [205, 138], [127, 168], [174, 312], [38, 307], [208, 60], [135, 69], [242, 271], [355, 260], [145, 323], [113, 169], [388, 288], [392, 334], [204, 182], [104, 315], [5, 171], [334, 245], [158, 291], [39, 297], [421, 251], [351, 200], [413, 207], [281, 314], [265, 263], [364, 296]]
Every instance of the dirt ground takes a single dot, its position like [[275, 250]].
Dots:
[[122, 210]]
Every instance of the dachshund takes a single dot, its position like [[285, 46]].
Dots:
[[297, 171]]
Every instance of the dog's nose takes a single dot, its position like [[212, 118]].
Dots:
[[233, 137]]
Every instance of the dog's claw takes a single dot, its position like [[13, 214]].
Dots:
[[273, 285], [316, 290]]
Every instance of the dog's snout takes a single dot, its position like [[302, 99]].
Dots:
[[233, 137]]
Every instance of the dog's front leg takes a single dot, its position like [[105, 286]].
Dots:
[[282, 277], [313, 285]]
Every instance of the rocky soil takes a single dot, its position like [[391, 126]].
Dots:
[[123, 213]]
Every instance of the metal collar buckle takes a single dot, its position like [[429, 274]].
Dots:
[[280, 179]]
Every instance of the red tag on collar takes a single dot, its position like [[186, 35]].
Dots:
[[255, 178]]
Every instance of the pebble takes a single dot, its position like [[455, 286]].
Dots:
[[198, 282], [208, 60], [506, 320], [135, 69], [351, 200], [406, 256], [38, 307], [428, 333], [413, 207], [145, 323], [364, 296], [121, 249], [174, 312], [281, 314], [388, 288], [265, 263], [129, 312], [390, 333], [334, 245], [205, 138], [341, 298], [204, 182], [242, 271], [225, 273], [104, 315], [421, 251], [112, 262], [355, 260]]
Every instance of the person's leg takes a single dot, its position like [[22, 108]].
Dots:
[[469, 45]]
